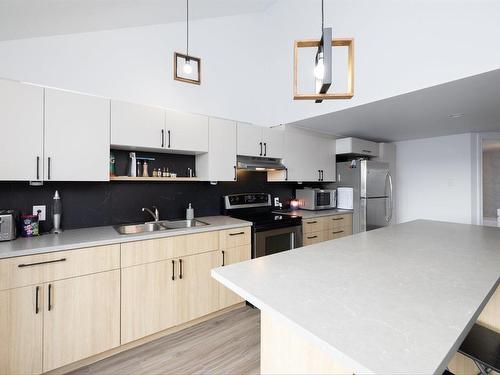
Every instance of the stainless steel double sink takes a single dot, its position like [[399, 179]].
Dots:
[[156, 226]]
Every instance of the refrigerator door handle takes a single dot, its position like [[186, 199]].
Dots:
[[388, 217]]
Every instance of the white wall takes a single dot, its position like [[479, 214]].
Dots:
[[434, 179], [400, 46]]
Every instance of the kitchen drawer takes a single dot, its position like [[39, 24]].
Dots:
[[337, 222], [141, 252], [337, 233], [312, 238], [312, 225], [235, 237], [41, 268]]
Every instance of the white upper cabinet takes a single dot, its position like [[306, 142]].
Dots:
[[357, 146], [21, 119], [219, 163], [255, 140], [137, 126], [76, 137], [186, 132], [249, 140], [273, 140], [307, 156]]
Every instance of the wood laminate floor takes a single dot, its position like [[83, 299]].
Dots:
[[229, 344]]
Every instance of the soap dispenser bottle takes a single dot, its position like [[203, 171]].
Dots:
[[189, 213], [56, 213]]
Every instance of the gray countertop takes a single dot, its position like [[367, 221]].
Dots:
[[307, 214], [97, 236], [394, 300]]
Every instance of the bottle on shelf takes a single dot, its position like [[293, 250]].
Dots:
[[145, 172]]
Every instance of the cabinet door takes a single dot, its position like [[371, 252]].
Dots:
[[219, 164], [135, 125], [274, 141], [196, 292], [76, 137], [249, 140], [301, 157], [326, 158], [186, 132], [315, 237], [232, 256], [147, 299], [21, 116], [81, 318], [21, 331]]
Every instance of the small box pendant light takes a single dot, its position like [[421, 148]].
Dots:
[[323, 64], [187, 68]]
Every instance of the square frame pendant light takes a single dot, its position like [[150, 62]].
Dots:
[[314, 43], [188, 76]]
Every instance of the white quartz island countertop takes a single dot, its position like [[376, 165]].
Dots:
[[107, 235], [395, 300]]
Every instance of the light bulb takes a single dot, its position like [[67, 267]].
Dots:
[[319, 69], [187, 68]]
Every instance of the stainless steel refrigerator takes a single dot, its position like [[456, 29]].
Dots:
[[372, 193]]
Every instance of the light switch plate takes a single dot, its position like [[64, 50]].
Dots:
[[43, 212]]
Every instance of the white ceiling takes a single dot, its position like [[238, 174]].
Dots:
[[420, 114], [34, 18]]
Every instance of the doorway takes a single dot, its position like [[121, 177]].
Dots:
[[491, 182]]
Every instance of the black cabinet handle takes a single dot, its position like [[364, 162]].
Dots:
[[337, 232], [38, 167], [37, 294], [286, 174], [236, 234], [260, 148], [162, 138], [39, 263], [180, 268], [311, 222], [235, 173], [168, 139], [173, 270], [368, 151], [322, 175], [310, 238], [319, 174], [265, 149], [338, 218], [48, 168], [223, 258], [50, 298]]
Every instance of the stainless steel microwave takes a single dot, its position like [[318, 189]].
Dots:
[[316, 199]]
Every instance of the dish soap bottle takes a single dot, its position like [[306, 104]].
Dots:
[[56, 213], [189, 213]]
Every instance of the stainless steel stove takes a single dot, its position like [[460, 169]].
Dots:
[[271, 232]]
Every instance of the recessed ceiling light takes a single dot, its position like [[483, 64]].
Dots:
[[456, 115]]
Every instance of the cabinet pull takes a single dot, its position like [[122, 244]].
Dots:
[[265, 149], [322, 175], [337, 232], [311, 222], [48, 168], [37, 294], [260, 143], [162, 138], [236, 234], [180, 268], [338, 218], [173, 270], [168, 139], [235, 173], [38, 167], [311, 237], [319, 174], [49, 298], [286, 174], [39, 263], [223, 258], [368, 151]]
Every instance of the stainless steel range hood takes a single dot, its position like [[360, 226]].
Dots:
[[251, 163]]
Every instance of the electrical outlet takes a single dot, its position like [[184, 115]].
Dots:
[[42, 214]]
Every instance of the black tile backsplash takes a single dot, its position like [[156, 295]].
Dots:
[[88, 204]]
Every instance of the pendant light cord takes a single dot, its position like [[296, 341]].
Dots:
[[187, 27], [322, 16]]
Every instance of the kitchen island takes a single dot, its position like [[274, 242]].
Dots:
[[395, 300]]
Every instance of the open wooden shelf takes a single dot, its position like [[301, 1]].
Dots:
[[155, 179]]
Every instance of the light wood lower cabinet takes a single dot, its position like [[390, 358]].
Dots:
[[314, 237], [81, 318], [230, 256], [21, 331], [326, 228]]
